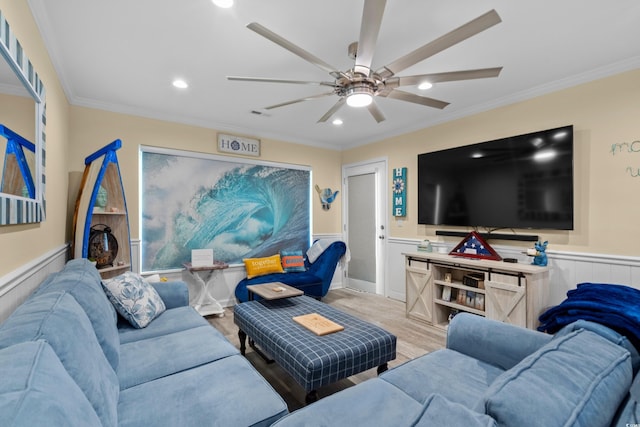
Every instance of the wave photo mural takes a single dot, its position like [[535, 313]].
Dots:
[[238, 208]]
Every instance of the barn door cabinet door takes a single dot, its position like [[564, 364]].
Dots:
[[419, 281], [506, 299]]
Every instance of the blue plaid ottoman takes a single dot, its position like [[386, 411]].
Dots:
[[312, 360]]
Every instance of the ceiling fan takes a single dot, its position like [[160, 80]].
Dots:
[[358, 86]]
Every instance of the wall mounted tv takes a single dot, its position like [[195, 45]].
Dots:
[[524, 181]]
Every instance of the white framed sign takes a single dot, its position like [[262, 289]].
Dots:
[[238, 145]]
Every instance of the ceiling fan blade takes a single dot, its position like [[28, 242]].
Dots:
[[369, 29], [481, 73], [270, 80], [375, 112], [295, 101], [268, 34], [461, 33], [332, 110], [416, 99]]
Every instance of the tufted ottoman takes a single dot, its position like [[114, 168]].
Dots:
[[313, 361]]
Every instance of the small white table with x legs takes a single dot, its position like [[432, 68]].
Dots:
[[205, 276]]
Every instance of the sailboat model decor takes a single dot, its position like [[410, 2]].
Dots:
[[101, 222]]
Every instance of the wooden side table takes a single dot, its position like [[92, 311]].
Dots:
[[273, 290], [205, 276]]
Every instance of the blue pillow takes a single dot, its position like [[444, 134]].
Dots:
[[292, 261], [134, 298]]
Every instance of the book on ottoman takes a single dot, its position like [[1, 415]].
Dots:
[[317, 324]]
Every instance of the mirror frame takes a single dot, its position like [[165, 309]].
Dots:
[[16, 209]]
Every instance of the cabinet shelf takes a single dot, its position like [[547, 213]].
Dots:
[[459, 306], [459, 285], [109, 213], [512, 293], [115, 267]]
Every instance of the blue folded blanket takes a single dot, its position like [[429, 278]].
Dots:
[[614, 306]]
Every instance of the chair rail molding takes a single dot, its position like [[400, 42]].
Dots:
[[16, 286]]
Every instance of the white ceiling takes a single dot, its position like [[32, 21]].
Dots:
[[122, 55]]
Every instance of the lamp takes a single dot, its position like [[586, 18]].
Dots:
[[359, 95]]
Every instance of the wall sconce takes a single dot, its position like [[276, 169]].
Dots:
[[326, 197]]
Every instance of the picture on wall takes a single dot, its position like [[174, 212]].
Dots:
[[237, 207]]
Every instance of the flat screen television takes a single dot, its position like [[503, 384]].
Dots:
[[524, 181]]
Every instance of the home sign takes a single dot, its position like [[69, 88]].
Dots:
[[238, 145]]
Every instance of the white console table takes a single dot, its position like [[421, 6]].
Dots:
[[205, 276]]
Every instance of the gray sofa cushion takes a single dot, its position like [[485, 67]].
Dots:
[[57, 318], [439, 411], [36, 390], [371, 403], [169, 322], [576, 379], [455, 376], [153, 358], [228, 392], [629, 414], [81, 279]]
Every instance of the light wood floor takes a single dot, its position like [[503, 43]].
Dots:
[[413, 339]]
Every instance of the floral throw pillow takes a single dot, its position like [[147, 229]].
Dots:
[[134, 298]]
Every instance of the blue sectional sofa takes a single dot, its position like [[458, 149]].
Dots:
[[495, 374], [67, 359]]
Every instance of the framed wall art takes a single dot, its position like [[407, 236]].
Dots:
[[240, 208]]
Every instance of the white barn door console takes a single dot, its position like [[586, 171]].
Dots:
[[439, 286]]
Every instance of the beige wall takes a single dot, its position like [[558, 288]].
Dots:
[[603, 113], [92, 129], [20, 244]]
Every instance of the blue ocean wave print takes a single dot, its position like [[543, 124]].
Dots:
[[238, 210]]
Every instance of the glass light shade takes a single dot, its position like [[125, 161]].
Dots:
[[223, 3], [359, 99]]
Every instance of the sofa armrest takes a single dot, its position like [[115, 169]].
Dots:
[[173, 294], [497, 343]]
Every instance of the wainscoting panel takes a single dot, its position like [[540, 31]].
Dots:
[[16, 286]]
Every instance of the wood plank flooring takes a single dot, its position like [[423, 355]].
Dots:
[[413, 339]]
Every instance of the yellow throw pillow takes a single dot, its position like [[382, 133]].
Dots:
[[261, 266]]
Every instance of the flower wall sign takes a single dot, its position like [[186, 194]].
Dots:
[[400, 192]]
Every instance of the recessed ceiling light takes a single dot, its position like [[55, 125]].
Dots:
[[425, 86], [337, 122], [180, 84], [223, 3]]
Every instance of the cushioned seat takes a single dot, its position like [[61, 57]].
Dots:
[[315, 281]]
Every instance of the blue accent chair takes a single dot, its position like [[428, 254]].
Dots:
[[314, 282]]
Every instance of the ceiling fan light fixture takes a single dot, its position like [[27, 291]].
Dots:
[[180, 84], [225, 4], [425, 85], [359, 96]]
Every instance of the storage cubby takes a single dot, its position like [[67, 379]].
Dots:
[[440, 286]]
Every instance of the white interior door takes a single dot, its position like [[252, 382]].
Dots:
[[365, 228]]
